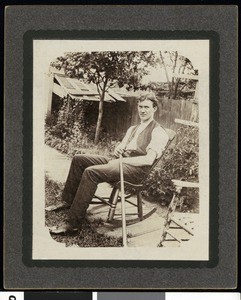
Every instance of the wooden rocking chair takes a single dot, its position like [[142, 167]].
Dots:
[[136, 190]]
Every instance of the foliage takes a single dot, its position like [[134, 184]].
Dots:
[[78, 145], [87, 237], [118, 68], [179, 65], [106, 69], [70, 132], [179, 162], [69, 117]]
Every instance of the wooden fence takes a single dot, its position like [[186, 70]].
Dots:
[[168, 110], [119, 116]]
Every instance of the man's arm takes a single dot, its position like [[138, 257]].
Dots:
[[159, 139], [119, 149], [140, 161]]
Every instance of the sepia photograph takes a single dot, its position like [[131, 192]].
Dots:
[[121, 150]]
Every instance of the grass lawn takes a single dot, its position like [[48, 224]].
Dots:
[[87, 236]]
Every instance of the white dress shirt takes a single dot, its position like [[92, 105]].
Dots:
[[159, 138]]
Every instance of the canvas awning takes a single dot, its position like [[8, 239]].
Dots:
[[77, 89]]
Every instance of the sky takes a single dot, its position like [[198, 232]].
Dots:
[[192, 49]]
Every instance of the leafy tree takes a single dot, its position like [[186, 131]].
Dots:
[[107, 69], [180, 65]]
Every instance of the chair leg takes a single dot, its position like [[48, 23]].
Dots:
[[139, 205], [170, 211], [113, 203]]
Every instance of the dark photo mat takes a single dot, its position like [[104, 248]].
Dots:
[[28, 140], [86, 275]]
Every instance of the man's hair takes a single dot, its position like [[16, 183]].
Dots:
[[149, 96]]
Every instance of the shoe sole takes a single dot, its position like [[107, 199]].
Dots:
[[55, 208], [68, 232]]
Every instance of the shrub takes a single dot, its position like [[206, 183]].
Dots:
[[179, 162], [69, 131], [50, 120]]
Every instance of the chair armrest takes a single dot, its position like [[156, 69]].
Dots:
[[127, 183], [185, 122], [187, 184]]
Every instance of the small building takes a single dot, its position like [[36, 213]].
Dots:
[[120, 109], [62, 86]]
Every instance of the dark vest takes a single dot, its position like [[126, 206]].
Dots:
[[143, 139]]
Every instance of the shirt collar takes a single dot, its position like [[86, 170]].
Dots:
[[145, 124]]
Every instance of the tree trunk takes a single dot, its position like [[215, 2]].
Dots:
[[173, 71], [176, 87], [99, 121], [165, 69], [100, 115], [66, 116], [177, 83]]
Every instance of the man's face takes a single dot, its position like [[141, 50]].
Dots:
[[146, 110]]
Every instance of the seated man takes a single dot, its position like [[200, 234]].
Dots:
[[141, 145]]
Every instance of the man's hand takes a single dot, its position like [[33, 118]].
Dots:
[[140, 161], [137, 161], [118, 150]]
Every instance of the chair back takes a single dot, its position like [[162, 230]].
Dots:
[[171, 134]]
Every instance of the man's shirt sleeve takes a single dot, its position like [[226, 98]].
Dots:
[[159, 140]]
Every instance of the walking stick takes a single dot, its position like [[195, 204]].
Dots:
[[123, 210]]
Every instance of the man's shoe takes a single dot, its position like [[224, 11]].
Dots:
[[64, 228], [58, 206]]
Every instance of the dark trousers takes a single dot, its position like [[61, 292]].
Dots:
[[86, 172]]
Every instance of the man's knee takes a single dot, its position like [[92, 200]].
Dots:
[[90, 170], [78, 159], [91, 173], [103, 173]]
